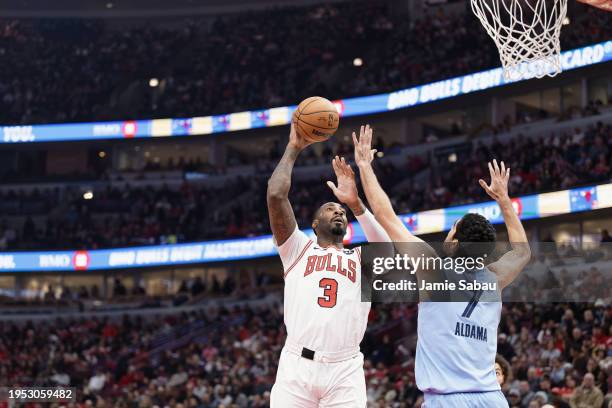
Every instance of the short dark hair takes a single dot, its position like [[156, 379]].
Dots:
[[477, 235]]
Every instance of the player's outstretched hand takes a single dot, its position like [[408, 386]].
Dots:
[[296, 141], [346, 191], [364, 154], [498, 188]]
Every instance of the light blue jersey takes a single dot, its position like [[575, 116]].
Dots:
[[457, 341]]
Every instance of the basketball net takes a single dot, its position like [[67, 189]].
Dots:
[[526, 33]]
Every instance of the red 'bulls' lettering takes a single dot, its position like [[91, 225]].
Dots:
[[320, 263], [310, 265], [352, 265], [330, 266]]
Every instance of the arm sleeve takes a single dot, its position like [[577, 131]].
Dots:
[[373, 231], [293, 248]]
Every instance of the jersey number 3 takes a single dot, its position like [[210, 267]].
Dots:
[[330, 292]]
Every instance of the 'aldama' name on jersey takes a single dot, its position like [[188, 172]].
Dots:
[[332, 263], [471, 331]]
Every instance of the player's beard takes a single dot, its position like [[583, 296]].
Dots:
[[338, 230]]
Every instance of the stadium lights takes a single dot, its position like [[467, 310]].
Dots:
[[380, 154], [101, 154], [566, 21], [357, 62], [153, 82], [88, 195], [109, 5]]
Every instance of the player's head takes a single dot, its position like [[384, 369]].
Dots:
[[502, 369], [330, 221], [471, 236]]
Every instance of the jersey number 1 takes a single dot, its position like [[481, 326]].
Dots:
[[330, 292]]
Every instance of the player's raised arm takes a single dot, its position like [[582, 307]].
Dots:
[[510, 265], [282, 219], [346, 192], [405, 242], [377, 198]]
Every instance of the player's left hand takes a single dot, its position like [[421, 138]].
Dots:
[[346, 191], [498, 188], [364, 154]]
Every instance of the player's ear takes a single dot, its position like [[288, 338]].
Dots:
[[315, 224], [450, 246]]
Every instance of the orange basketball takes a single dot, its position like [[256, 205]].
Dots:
[[316, 119]]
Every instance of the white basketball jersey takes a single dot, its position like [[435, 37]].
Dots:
[[322, 306], [457, 343]]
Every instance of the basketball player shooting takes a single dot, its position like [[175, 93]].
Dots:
[[321, 364], [457, 341]]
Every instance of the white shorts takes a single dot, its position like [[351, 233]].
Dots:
[[490, 399], [304, 383]]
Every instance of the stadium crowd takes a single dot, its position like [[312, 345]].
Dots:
[[125, 216], [84, 70], [555, 162], [226, 357]]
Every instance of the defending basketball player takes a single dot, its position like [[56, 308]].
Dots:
[[454, 368], [321, 364]]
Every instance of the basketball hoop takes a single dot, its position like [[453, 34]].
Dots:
[[526, 33]]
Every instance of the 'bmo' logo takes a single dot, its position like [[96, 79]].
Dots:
[[107, 129], [78, 261], [54, 261], [490, 212]]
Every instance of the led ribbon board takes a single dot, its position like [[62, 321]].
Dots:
[[527, 207], [206, 125]]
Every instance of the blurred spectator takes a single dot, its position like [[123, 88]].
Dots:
[[96, 71], [587, 395]]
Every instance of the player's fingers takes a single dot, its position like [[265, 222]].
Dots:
[[373, 153], [507, 173], [333, 187], [484, 185], [503, 169], [361, 132], [335, 165], [491, 171], [343, 166], [496, 166], [350, 170], [339, 169], [355, 142]]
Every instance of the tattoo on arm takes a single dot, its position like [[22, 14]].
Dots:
[[282, 219]]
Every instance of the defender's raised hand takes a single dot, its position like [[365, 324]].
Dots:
[[364, 154], [498, 188], [346, 191]]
